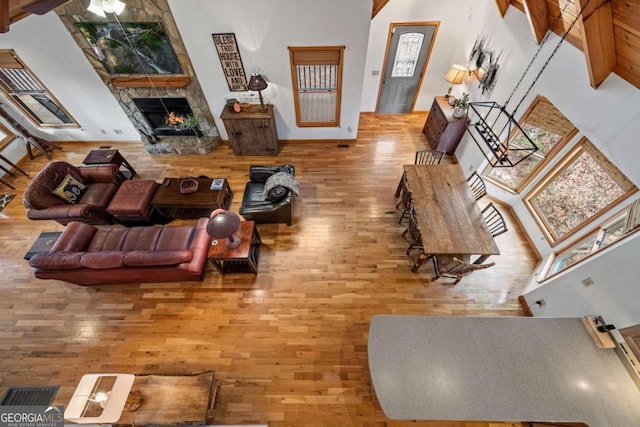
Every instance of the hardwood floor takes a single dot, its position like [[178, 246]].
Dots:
[[289, 346]]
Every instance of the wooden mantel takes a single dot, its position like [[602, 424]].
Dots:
[[150, 81]]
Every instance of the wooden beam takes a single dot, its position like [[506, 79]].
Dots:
[[377, 7], [598, 42], [503, 5], [538, 16], [4, 16], [44, 6]]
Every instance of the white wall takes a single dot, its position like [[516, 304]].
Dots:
[[263, 30], [46, 47], [608, 116]]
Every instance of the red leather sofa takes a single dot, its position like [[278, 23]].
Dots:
[[87, 255]]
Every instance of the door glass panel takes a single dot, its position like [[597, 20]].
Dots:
[[409, 45]]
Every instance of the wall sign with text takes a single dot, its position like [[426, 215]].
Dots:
[[230, 60]]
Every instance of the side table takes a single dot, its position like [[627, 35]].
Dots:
[[244, 258], [100, 157], [43, 243], [99, 398]]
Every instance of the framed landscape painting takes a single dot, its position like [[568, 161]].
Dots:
[[131, 47]]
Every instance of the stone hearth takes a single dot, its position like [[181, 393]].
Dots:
[[149, 86]]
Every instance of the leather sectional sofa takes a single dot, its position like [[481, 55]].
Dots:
[[87, 255], [101, 183]]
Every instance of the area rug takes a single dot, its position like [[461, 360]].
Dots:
[[5, 199]]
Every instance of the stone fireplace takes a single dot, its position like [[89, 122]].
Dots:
[[148, 99]]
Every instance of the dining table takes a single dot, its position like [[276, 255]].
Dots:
[[451, 221]]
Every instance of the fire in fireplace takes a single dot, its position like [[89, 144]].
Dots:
[[157, 111]]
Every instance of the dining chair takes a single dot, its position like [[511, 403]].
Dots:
[[402, 185], [428, 157], [455, 266], [412, 232], [495, 221], [476, 184], [405, 204]]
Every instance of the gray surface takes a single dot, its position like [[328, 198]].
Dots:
[[498, 369]]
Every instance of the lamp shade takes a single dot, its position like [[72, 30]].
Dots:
[[113, 6], [100, 7], [224, 224], [257, 82], [456, 74], [96, 7]]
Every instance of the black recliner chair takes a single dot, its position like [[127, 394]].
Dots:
[[277, 207]]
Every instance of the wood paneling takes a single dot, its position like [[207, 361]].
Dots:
[[288, 345], [377, 7]]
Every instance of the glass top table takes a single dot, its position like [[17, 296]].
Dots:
[[99, 398]]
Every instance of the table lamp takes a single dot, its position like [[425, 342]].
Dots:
[[454, 77], [258, 83], [224, 224]]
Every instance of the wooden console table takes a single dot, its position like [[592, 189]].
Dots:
[[251, 132]]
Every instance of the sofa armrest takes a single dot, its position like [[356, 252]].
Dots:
[[75, 237], [67, 213], [199, 246], [101, 173]]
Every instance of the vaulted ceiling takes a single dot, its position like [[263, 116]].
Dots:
[[14, 10], [607, 31]]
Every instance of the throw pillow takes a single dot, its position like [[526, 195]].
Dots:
[[70, 189], [277, 193]]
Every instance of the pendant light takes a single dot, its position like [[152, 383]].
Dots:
[[494, 129], [100, 7]]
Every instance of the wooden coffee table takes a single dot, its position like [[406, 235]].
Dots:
[[170, 203]]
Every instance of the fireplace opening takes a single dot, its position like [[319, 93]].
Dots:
[[157, 110]]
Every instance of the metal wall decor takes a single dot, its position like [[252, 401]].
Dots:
[[229, 55], [484, 64]]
